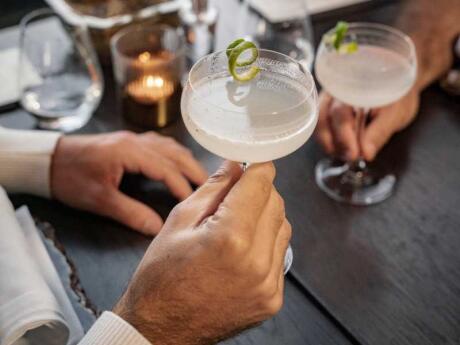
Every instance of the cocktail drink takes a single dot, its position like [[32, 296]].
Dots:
[[378, 71], [257, 120]]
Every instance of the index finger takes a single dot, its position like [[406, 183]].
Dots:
[[248, 197]]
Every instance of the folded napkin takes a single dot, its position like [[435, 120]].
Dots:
[[34, 308]]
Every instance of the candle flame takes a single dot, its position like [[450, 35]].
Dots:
[[152, 81], [144, 57], [150, 88]]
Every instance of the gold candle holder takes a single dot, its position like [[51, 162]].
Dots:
[[149, 80]]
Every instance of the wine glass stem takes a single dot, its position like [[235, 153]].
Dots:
[[355, 175], [361, 119]]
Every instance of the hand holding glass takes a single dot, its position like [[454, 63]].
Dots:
[[380, 72], [260, 120]]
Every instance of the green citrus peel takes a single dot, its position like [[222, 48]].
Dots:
[[336, 39], [234, 51]]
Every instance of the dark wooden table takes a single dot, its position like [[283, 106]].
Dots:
[[387, 274]]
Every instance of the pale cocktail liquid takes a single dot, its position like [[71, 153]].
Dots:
[[371, 77], [257, 121]]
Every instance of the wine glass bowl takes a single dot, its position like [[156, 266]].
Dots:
[[258, 121], [382, 70]]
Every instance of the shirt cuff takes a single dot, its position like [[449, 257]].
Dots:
[[25, 160], [110, 329]]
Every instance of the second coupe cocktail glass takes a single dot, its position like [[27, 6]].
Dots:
[[260, 120], [381, 71]]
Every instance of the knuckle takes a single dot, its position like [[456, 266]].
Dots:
[[178, 210], [263, 174], [124, 138], [265, 184], [152, 135], [245, 223], [278, 213], [287, 231], [183, 152], [170, 141], [125, 135], [274, 305], [220, 175], [260, 268], [270, 171], [281, 204], [235, 245], [186, 151]]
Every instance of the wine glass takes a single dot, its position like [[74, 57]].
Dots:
[[380, 72], [69, 84], [260, 120]]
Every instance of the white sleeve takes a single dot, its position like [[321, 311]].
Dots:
[[110, 329], [25, 160]]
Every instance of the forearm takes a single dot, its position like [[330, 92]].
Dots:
[[25, 160], [432, 25]]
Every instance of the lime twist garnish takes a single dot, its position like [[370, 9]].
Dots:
[[234, 50], [336, 39]]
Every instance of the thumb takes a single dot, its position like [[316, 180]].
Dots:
[[132, 213], [205, 201], [377, 134]]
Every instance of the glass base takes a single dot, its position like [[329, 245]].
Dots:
[[63, 124], [353, 186]]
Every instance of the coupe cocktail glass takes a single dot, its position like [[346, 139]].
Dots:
[[260, 120], [380, 72]]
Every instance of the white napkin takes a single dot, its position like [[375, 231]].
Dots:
[[34, 308], [276, 11]]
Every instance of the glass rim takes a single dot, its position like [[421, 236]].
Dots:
[[48, 11], [382, 27], [307, 73], [139, 27], [36, 13]]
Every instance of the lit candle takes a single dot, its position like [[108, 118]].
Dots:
[[150, 89], [152, 99], [148, 63]]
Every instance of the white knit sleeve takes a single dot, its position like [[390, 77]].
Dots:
[[110, 329], [25, 160]]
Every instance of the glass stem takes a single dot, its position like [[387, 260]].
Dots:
[[355, 174], [361, 119]]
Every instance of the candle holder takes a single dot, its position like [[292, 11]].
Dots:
[[148, 64]]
